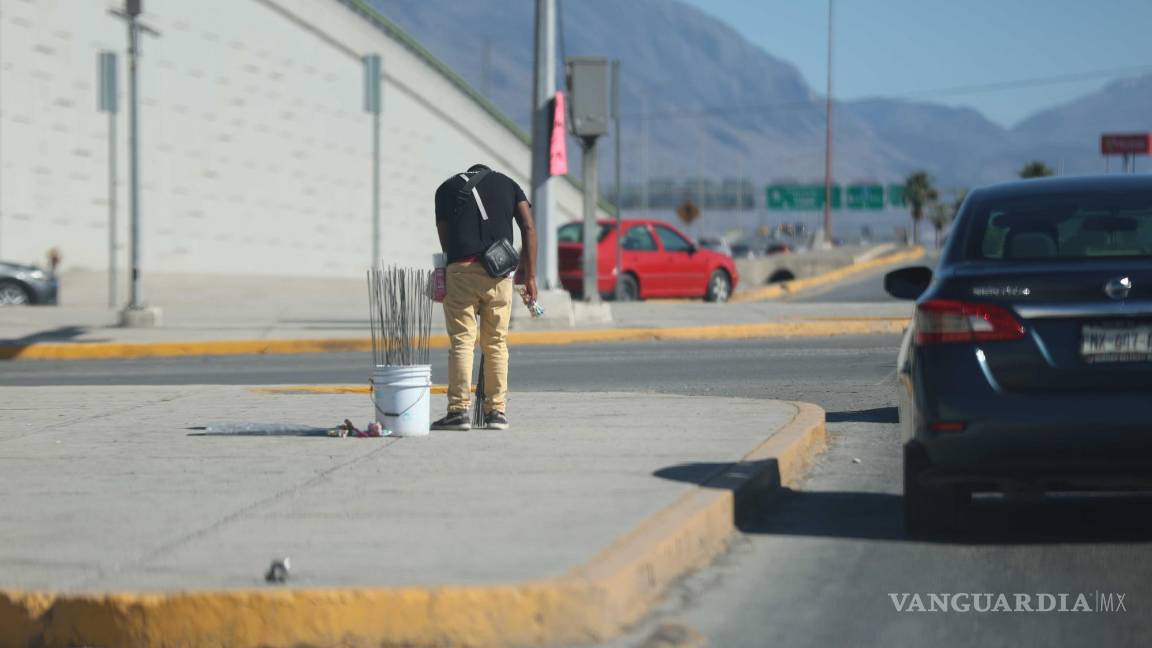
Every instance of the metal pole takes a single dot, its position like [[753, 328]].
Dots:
[[619, 136], [591, 287], [375, 188], [543, 196], [645, 198], [373, 71], [134, 162], [828, 140], [112, 242]]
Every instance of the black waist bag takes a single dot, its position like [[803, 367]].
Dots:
[[499, 259]]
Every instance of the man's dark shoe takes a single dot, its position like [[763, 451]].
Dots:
[[496, 421], [454, 421]]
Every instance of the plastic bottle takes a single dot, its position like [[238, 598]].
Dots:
[[534, 308]]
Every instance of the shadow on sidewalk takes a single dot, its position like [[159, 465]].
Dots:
[[247, 429], [874, 415], [13, 347], [764, 508]]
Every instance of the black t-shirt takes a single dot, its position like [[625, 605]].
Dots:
[[468, 233]]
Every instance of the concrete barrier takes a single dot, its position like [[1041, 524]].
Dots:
[[754, 273]]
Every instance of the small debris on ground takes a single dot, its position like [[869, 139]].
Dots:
[[278, 571], [347, 429]]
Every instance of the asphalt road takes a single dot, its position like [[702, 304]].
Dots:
[[817, 566], [868, 287]]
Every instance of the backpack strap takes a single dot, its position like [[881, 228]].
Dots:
[[470, 185]]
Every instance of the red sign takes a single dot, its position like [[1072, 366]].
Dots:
[[557, 151], [1126, 143]]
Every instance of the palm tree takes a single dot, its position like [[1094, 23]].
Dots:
[[941, 216], [918, 192], [1036, 169]]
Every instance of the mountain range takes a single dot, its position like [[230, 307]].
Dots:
[[699, 100]]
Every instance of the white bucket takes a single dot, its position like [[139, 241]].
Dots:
[[402, 399]]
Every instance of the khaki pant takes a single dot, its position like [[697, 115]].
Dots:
[[472, 292]]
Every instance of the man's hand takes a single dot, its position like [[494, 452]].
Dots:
[[530, 289]]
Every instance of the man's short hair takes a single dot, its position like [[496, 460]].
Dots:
[[478, 167]]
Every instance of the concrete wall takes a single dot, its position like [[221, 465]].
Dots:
[[256, 153], [754, 273]]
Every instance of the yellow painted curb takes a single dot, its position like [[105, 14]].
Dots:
[[94, 351], [786, 288], [104, 350], [334, 389], [591, 603]]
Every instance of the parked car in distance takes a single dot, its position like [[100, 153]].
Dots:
[[26, 284], [742, 251], [754, 247], [777, 247], [658, 261], [1028, 364], [716, 244]]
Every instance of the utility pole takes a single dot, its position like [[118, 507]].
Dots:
[[109, 103], [644, 200], [372, 103], [543, 195], [589, 84], [136, 314], [591, 242], [616, 132], [828, 139]]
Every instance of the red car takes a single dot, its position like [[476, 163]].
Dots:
[[658, 261]]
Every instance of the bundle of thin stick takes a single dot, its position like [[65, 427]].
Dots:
[[400, 305], [478, 406]]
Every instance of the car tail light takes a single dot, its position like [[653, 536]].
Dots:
[[948, 426], [940, 321]]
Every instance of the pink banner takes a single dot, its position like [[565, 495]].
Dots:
[[558, 151]]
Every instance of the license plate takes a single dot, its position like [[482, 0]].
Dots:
[[1116, 343]]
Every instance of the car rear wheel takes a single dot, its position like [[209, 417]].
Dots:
[[629, 289], [929, 509], [13, 294], [719, 287]]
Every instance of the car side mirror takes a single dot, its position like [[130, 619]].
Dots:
[[694, 249], [908, 283]]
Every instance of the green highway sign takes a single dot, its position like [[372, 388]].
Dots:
[[896, 196], [810, 197], [795, 197], [866, 197]]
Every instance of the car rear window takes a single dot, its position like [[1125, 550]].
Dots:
[[574, 233], [1061, 226]]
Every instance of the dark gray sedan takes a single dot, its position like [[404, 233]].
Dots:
[[26, 284], [1028, 364]]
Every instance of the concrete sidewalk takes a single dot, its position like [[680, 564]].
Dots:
[[207, 315], [334, 311], [107, 489]]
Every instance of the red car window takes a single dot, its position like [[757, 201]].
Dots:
[[672, 241], [639, 238]]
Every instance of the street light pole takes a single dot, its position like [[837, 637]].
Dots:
[[543, 196], [135, 297], [372, 103], [109, 103], [644, 153], [828, 139], [136, 314], [616, 167]]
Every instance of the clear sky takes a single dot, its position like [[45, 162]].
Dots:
[[912, 47]]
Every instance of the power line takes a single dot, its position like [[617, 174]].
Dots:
[[945, 91], [1023, 83]]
